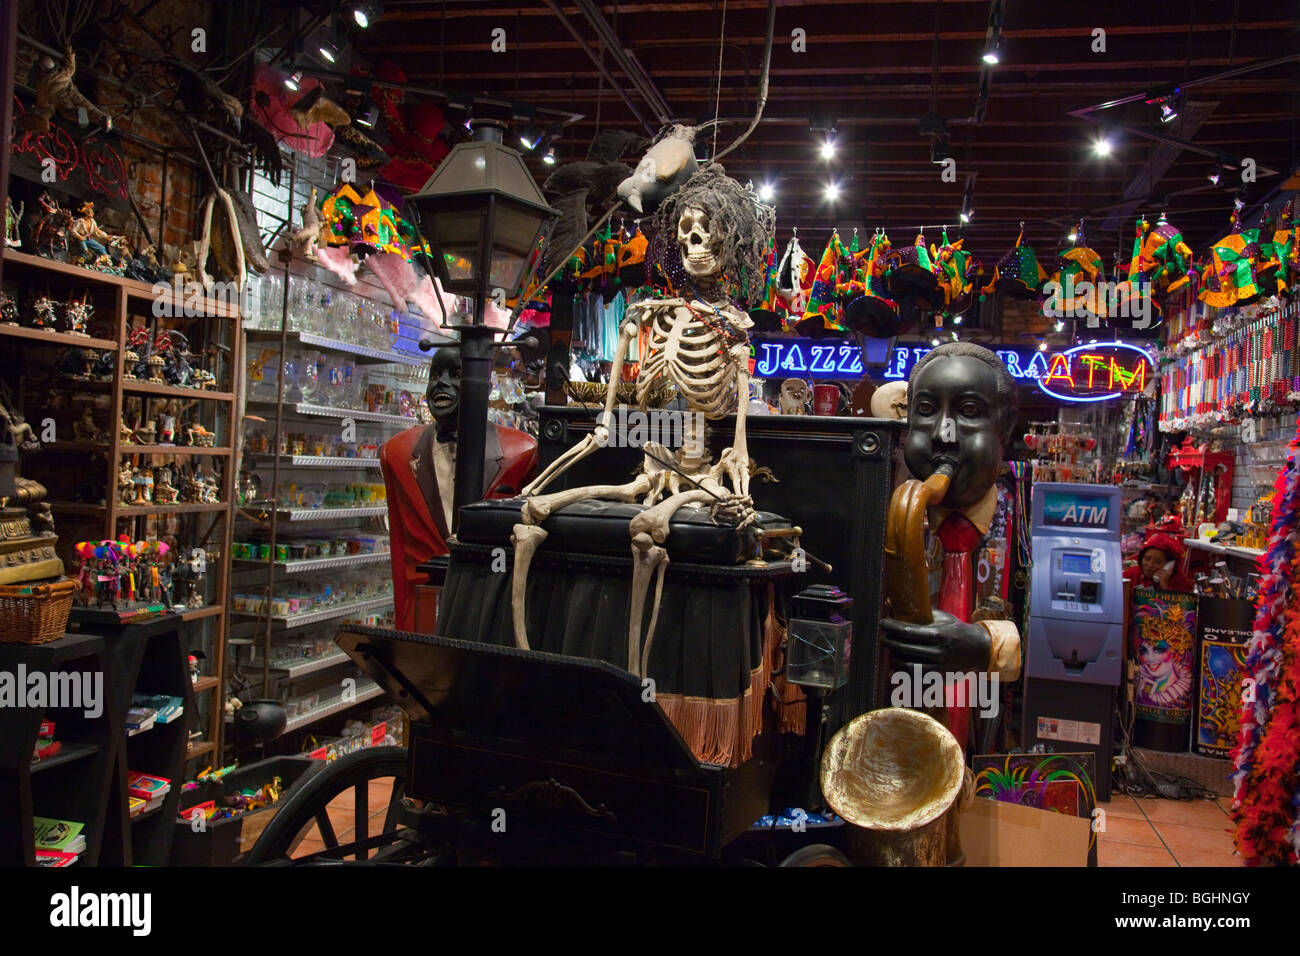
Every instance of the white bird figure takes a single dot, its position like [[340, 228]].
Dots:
[[662, 171]]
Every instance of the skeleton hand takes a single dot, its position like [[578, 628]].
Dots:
[[735, 510], [735, 465]]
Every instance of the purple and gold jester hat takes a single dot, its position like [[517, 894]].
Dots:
[[1167, 257], [873, 313], [1078, 271], [820, 317], [1018, 273], [912, 276], [956, 269], [1229, 276]]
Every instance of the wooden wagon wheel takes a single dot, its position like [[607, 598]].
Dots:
[[309, 806]]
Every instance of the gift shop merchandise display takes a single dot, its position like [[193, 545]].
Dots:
[[674, 474]]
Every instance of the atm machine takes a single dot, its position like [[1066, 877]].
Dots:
[[1075, 652]]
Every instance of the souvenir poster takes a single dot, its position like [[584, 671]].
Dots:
[[1164, 630], [1223, 631]]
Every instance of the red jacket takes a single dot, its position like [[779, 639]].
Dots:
[[416, 525]]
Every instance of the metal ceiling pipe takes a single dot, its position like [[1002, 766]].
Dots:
[[609, 77], [627, 63]]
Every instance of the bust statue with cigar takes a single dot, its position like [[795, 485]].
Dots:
[[961, 409]]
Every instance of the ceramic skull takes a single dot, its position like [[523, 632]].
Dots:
[[794, 396], [699, 243]]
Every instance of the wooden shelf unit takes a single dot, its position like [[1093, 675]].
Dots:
[[212, 524]]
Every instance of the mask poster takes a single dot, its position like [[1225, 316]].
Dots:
[[1164, 631], [1223, 630]]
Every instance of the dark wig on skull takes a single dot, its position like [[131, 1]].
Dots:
[[746, 225]]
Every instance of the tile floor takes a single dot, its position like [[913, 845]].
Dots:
[[1155, 832], [1139, 832], [342, 811]]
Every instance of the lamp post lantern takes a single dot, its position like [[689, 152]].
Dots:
[[483, 217]]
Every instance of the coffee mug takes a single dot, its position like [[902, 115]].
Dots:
[[826, 399]]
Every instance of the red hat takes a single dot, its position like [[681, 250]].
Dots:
[[1167, 543]]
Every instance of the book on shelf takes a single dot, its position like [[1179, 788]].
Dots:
[[55, 858], [146, 786], [140, 719], [62, 835], [166, 707], [136, 806]]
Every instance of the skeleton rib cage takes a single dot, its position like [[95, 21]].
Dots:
[[691, 354]]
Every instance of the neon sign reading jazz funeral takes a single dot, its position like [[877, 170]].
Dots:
[[1087, 373]]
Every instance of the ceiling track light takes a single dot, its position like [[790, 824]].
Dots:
[[966, 217], [367, 14], [294, 80], [766, 192], [1103, 145], [992, 56], [329, 52], [832, 192]]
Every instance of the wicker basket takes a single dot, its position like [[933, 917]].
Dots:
[[35, 613]]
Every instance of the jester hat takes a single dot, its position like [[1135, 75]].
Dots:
[[821, 315], [1167, 257], [1139, 274], [1075, 267], [1268, 265], [794, 277], [912, 277], [956, 269], [874, 313], [1018, 273], [1229, 276], [1286, 247]]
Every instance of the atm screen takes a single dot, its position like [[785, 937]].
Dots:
[[1076, 564], [1071, 510]]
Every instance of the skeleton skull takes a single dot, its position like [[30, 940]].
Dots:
[[699, 244], [794, 396]]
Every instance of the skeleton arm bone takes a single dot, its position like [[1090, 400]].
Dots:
[[738, 466], [600, 436]]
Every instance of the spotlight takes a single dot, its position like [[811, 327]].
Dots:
[[1073, 237], [766, 192], [832, 192], [329, 51], [529, 137], [1215, 174], [828, 148], [956, 320], [367, 13], [991, 55], [368, 114], [549, 158], [1042, 347], [294, 80], [1103, 145], [966, 216], [1167, 113], [934, 342]]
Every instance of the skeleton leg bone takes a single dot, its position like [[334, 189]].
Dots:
[[527, 537], [648, 561]]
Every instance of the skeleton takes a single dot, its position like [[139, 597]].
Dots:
[[700, 346]]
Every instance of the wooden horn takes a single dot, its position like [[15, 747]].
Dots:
[[907, 577]]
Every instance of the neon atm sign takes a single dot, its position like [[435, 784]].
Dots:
[[1088, 373], [1097, 373]]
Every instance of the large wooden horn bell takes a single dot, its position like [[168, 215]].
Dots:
[[893, 775]]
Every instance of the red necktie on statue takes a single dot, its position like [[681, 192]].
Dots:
[[959, 538]]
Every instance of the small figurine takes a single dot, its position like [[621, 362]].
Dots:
[[125, 434], [156, 364], [55, 91], [200, 437], [8, 309], [204, 379], [164, 492], [86, 430], [146, 433], [12, 218], [77, 314], [91, 242], [50, 233], [194, 669], [167, 425], [43, 316], [143, 481]]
